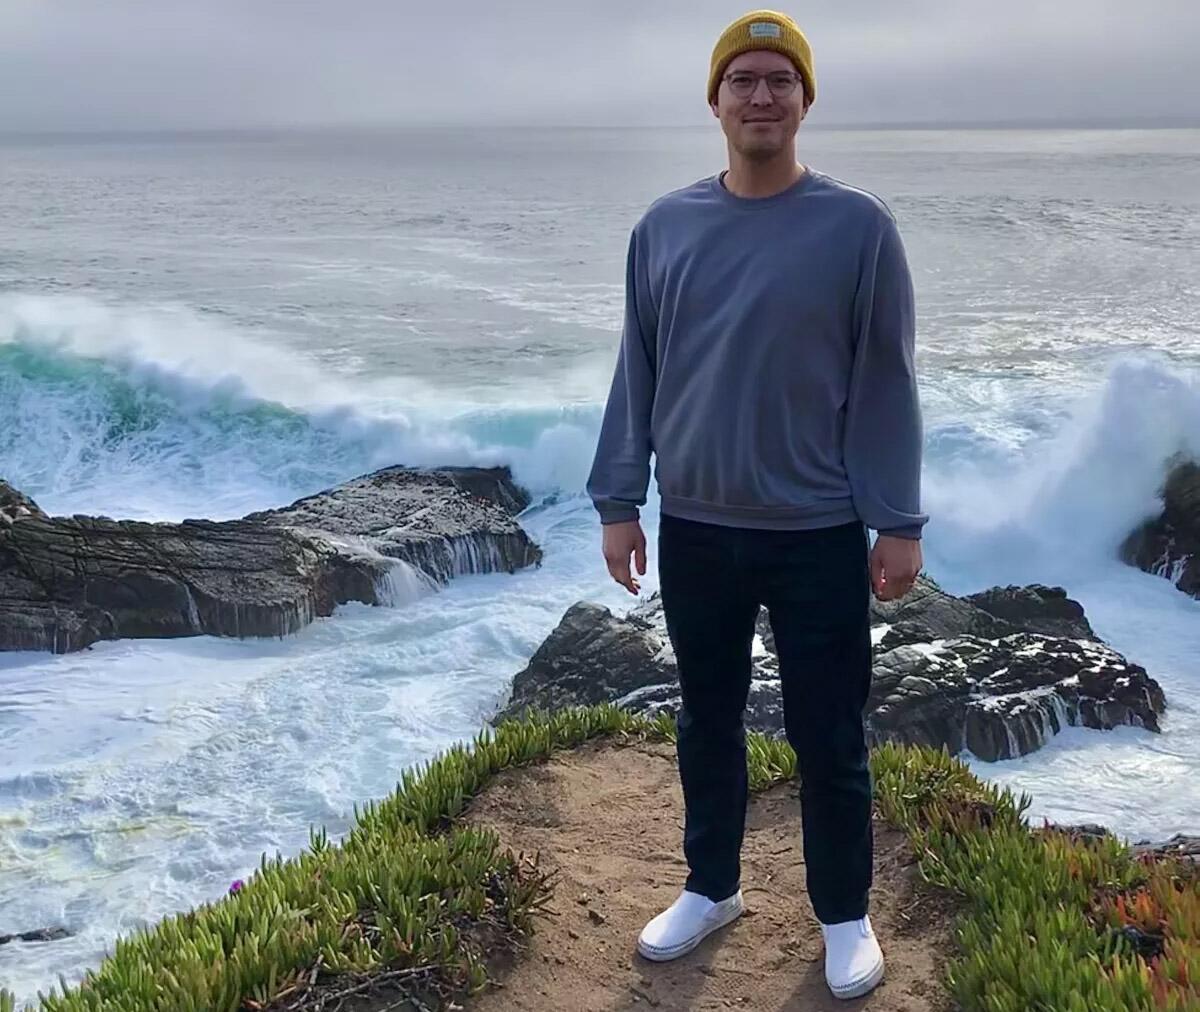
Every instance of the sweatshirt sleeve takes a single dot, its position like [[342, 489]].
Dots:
[[883, 432], [620, 471]]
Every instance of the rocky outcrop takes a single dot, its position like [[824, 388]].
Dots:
[[947, 672], [41, 935], [928, 613], [1036, 609], [66, 582], [1169, 544]]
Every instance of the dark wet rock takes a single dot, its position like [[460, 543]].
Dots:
[[947, 673], [928, 613], [593, 657], [41, 935], [66, 582], [15, 505], [1169, 544], [1036, 608], [1080, 830], [1182, 846], [1005, 697]]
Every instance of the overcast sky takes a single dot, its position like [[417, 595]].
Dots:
[[153, 64]]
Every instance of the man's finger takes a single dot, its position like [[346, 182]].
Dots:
[[877, 574], [639, 557], [620, 572]]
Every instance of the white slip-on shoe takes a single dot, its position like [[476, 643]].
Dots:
[[853, 959], [685, 923]]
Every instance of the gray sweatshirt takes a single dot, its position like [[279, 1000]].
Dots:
[[766, 360]]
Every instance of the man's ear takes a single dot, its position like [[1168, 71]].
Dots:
[[713, 107]]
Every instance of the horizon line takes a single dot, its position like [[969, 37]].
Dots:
[[1146, 123]]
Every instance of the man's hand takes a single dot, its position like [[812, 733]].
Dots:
[[619, 542], [895, 563]]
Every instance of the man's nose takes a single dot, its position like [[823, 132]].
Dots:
[[761, 94]]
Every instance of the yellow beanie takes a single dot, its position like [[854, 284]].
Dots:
[[762, 29]]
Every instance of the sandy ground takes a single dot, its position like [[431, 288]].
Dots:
[[608, 820]]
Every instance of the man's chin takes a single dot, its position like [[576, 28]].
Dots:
[[759, 152]]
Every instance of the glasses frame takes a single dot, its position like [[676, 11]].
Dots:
[[796, 79]]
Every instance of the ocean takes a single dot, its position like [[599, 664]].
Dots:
[[202, 325]]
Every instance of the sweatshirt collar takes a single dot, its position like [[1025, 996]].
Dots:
[[717, 185]]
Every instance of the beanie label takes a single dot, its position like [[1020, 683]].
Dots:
[[761, 29]]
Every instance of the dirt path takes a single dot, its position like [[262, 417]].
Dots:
[[608, 819]]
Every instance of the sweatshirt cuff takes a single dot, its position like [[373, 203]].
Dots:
[[911, 532], [610, 514]]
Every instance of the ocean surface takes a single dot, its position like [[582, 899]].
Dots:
[[205, 325]]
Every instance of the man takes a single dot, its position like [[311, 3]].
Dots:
[[767, 362]]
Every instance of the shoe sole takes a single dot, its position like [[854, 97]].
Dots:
[[661, 955], [859, 988]]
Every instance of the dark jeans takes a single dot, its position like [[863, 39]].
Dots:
[[816, 587]]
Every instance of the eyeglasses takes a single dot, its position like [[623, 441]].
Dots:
[[780, 82]]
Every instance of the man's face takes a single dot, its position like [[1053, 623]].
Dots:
[[762, 124]]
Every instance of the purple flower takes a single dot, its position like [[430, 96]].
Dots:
[[236, 887]]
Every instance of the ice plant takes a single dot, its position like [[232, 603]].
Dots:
[[1049, 922]]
